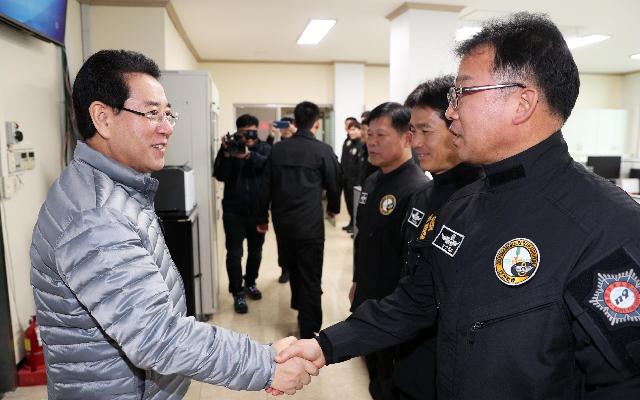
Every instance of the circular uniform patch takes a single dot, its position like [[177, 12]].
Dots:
[[618, 297], [517, 261], [387, 204]]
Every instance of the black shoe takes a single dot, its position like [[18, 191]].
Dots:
[[240, 304], [284, 277], [350, 230], [347, 227], [253, 292]]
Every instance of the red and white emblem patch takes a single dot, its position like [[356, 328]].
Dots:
[[618, 297]]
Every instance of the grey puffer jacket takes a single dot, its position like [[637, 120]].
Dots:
[[110, 302]]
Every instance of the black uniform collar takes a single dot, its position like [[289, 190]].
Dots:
[[458, 176], [305, 133], [535, 162], [390, 175]]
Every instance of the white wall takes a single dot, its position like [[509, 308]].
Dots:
[[376, 86], [630, 97], [268, 83], [31, 82], [139, 29], [348, 99], [177, 55]]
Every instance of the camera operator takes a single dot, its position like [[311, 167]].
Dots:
[[240, 164]]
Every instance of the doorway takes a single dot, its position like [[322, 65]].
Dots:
[[7, 359], [267, 113]]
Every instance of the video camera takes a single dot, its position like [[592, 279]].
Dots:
[[235, 144]]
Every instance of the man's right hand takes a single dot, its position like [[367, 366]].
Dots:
[[309, 349]]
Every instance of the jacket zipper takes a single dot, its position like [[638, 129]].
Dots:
[[478, 325]]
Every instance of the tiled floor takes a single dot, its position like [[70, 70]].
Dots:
[[271, 318]]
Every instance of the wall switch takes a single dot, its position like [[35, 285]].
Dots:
[[8, 186]]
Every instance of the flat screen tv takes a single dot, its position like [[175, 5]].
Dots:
[[43, 18]]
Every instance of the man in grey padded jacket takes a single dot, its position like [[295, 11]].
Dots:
[[110, 302]]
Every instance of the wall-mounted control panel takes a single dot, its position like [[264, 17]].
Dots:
[[21, 160]]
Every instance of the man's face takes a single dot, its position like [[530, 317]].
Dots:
[[135, 140], [385, 145], [432, 141], [354, 133], [248, 142], [481, 119]]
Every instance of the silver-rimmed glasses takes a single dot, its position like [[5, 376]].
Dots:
[[455, 93], [156, 116]]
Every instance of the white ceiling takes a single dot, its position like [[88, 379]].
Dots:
[[267, 30]]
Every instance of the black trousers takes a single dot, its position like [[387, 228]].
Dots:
[[347, 186], [380, 368], [281, 262], [303, 258], [237, 228]]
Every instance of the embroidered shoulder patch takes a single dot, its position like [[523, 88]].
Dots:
[[415, 217], [448, 240], [617, 296], [363, 198]]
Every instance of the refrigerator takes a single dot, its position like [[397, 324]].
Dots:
[[193, 95]]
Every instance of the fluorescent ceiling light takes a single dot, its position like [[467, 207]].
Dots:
[[636, 56], [466, 32], [574, 42], [316, 30]]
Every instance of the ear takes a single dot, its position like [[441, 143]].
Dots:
[[527, 103], [316, 126], [408, 138], [101, 116]]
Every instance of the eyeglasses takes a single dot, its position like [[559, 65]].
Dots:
[[455, 93], [155, 116]]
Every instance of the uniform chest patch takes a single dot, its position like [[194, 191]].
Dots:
[[363, 198], [428, 226], [387, 204], [448, 240], [618, 297], [415, 217], [517, 261]]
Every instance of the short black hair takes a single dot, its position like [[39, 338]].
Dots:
[[351, 119], [306, 114], [399, 114], [102, 78], [246, 120], [288, 119], [432, 94], [365, 117], [530, 48]]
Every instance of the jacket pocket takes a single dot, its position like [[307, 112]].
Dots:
[[525, 353]]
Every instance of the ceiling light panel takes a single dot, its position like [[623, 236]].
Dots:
[[316, 30]]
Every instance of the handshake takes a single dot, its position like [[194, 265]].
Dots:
[[296, 361]]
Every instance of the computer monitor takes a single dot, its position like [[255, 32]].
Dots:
[[607, 167]]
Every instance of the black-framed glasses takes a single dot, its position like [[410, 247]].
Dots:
[[155, 116], [455, 93]]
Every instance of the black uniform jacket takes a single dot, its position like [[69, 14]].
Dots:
[[414, 370], [242, 179], [295, 175], [378, 244], [351, 160], [532, 276]]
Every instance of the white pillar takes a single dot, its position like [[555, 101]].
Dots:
[[422, 37], [348, 98]]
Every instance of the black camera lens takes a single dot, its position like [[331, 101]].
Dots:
[[253, 134]]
